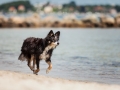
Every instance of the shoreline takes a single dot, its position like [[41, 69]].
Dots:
[[10, 80]]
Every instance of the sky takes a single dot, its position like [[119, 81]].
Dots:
[[78, 2]]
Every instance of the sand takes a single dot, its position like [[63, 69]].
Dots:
[[19, 81]]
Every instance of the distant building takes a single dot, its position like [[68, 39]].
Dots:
[[21, 8], [12, 9], [71, 9], [48, 9], [113, 11], [99, 9]]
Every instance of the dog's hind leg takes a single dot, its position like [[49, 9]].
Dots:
[[34, 63], [49, 67], [37, 63], [29, 62]]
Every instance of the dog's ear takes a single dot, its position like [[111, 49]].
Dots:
[[50, 33], [57, 34]]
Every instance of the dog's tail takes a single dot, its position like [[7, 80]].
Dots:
[[21, 57]]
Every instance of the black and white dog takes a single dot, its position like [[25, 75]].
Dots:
[[36, 49]]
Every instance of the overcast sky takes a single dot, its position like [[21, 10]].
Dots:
[[79, 2]]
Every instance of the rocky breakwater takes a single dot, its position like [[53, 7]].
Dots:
[[69, 21]]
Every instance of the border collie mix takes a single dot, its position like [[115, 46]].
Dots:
[[36, 49]]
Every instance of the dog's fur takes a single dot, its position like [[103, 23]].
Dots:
[[36, 49]]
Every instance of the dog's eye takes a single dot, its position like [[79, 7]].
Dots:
[[52, 39], [48, 41]]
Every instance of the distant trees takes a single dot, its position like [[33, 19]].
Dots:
[[28, 6], [71, 7], [117, 7], [25, 5]]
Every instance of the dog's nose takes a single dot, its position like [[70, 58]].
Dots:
[[58, 43]]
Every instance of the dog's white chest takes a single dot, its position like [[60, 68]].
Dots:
[[45, 54]]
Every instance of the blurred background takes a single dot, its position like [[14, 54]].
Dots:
[[62, 13], [89, 47]]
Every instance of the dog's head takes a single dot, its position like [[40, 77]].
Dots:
[[53, 39]]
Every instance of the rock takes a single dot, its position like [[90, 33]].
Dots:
[[16, 22], [3, 21], [107, 21], [117, 20], [50, 21], [69, 21], [33, 21], [70, 17], [91, 21]]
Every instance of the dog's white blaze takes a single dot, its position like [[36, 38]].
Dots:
[[44, 55], [55, 37], [55, 43]]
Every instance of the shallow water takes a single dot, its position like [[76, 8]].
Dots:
[[83, 54]]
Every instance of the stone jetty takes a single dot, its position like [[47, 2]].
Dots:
[[70, 21]]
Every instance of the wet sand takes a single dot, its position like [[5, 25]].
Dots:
[[19, 81]]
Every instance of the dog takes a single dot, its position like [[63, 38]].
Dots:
[[37, 49]]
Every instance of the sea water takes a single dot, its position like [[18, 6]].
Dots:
[[83, 54]]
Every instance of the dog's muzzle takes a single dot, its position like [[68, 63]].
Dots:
[[56, 43]]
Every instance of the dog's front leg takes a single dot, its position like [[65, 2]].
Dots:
[[37, 63], [49, 67]]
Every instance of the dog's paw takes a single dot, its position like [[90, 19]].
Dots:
[[47, 71], [36, 71]]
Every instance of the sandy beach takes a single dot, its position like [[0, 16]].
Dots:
[[10, 80]]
